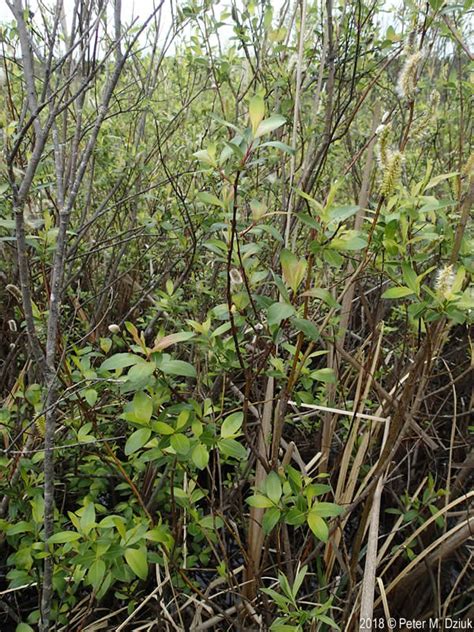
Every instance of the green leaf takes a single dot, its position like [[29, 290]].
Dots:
[[458, 281], [273, 487], [211, 522], [88, 518], [307, 327], [278, 312], [397, 292], [465, 301], [323, 294], [295, 517], [308, 221], [137, 560], [142, 408], [160, 534], [180, 443], [437, 179], [311, 201], [391, 34], [37, 508], [285, 586], [436, 205], [23, 627], [270, 519], [256, 111], [182, 419], [200, 456], [327, 510], [141, 371], [120, 361], [96, 573], [109, 521], [410, 278], [318, 489], [257, 500], [105, 344], [318, 526], [282, 627], [163, 428], [230, 149], [204, 156], [341, 213], [20, 527], [231, 426], [231, 447], [137, 440], [324, 375], [9, 224], [266, 228], [299, 579], [293, 269], [209, 198], [258, 209], [64, 536], [282, 602], [172, 339], [278, 145], [269, 124], [325, 619], [90, 395], [350, 240], [222, 329], [177, 367], [197, 427]]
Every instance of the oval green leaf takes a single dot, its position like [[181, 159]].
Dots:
[[259, 501], [137, 560], [200, 456], [137, 440], [278, 312], [318, 526], [273, 487], [180, 443], [270, 124], [64, 536], [397, 292], [231, 426], [96, 573], [120, 361], [270, 519], [177, 367], [231, 447]]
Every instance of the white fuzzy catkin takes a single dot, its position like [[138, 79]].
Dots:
[[383, 134], [392, 172], [444, 281], [235, 277], [406, 84], [468, 169]]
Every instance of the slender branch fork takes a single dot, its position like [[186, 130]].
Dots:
[[46, 359]]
